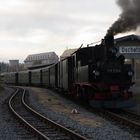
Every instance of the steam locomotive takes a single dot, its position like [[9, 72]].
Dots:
[[94, 74]]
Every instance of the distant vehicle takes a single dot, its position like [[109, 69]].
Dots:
[[94, 74]]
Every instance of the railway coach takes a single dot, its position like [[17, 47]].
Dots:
[[11, 78], [24, 78]]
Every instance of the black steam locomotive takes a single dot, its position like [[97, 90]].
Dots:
[[94, 74], [101, 77]]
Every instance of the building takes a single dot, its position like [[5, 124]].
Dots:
[[129, 46], [13, 65], [67, 53], [4, 67], [41, 59]]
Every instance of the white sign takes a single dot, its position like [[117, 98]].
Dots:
[[130, 49]]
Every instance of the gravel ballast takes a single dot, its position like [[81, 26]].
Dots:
[[10, 128], [84, 122], [136, 95], [6, 131]]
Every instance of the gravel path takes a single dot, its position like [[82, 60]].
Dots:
[[85, 122], [136, 90]]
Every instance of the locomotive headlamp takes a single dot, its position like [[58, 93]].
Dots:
[[97, 73], [130, 73]]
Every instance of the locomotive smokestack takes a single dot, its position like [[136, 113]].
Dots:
[[129, 18], [109, 40], [108, 46]]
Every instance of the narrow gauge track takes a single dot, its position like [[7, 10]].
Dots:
[[43, 127], [125, 117]]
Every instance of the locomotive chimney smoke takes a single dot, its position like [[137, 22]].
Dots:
[[129, 18]]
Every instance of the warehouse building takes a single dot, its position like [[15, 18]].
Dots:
[[67, 53], [40, 60]]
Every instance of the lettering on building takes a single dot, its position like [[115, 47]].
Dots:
[[130, 49]]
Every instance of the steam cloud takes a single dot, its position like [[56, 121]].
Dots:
[[129, 19]]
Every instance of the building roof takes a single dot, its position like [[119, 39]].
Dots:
[[67, 53], [129, 37], [41, 56]]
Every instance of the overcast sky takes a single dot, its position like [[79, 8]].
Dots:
[[36, 26]]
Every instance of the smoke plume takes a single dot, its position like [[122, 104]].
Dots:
[[129, 19]]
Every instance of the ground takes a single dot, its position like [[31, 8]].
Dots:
[[136, 95], [52, 101]]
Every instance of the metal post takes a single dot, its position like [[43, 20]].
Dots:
[[134, 67]]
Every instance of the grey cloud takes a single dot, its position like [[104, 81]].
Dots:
[[61, 20], [51, 15], [61, 24]]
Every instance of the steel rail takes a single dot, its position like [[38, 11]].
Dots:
[[132, 113], [123, 119], [23, 120], [68, 132]]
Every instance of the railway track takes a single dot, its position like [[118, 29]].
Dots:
[[125, 117], [41, 126]]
